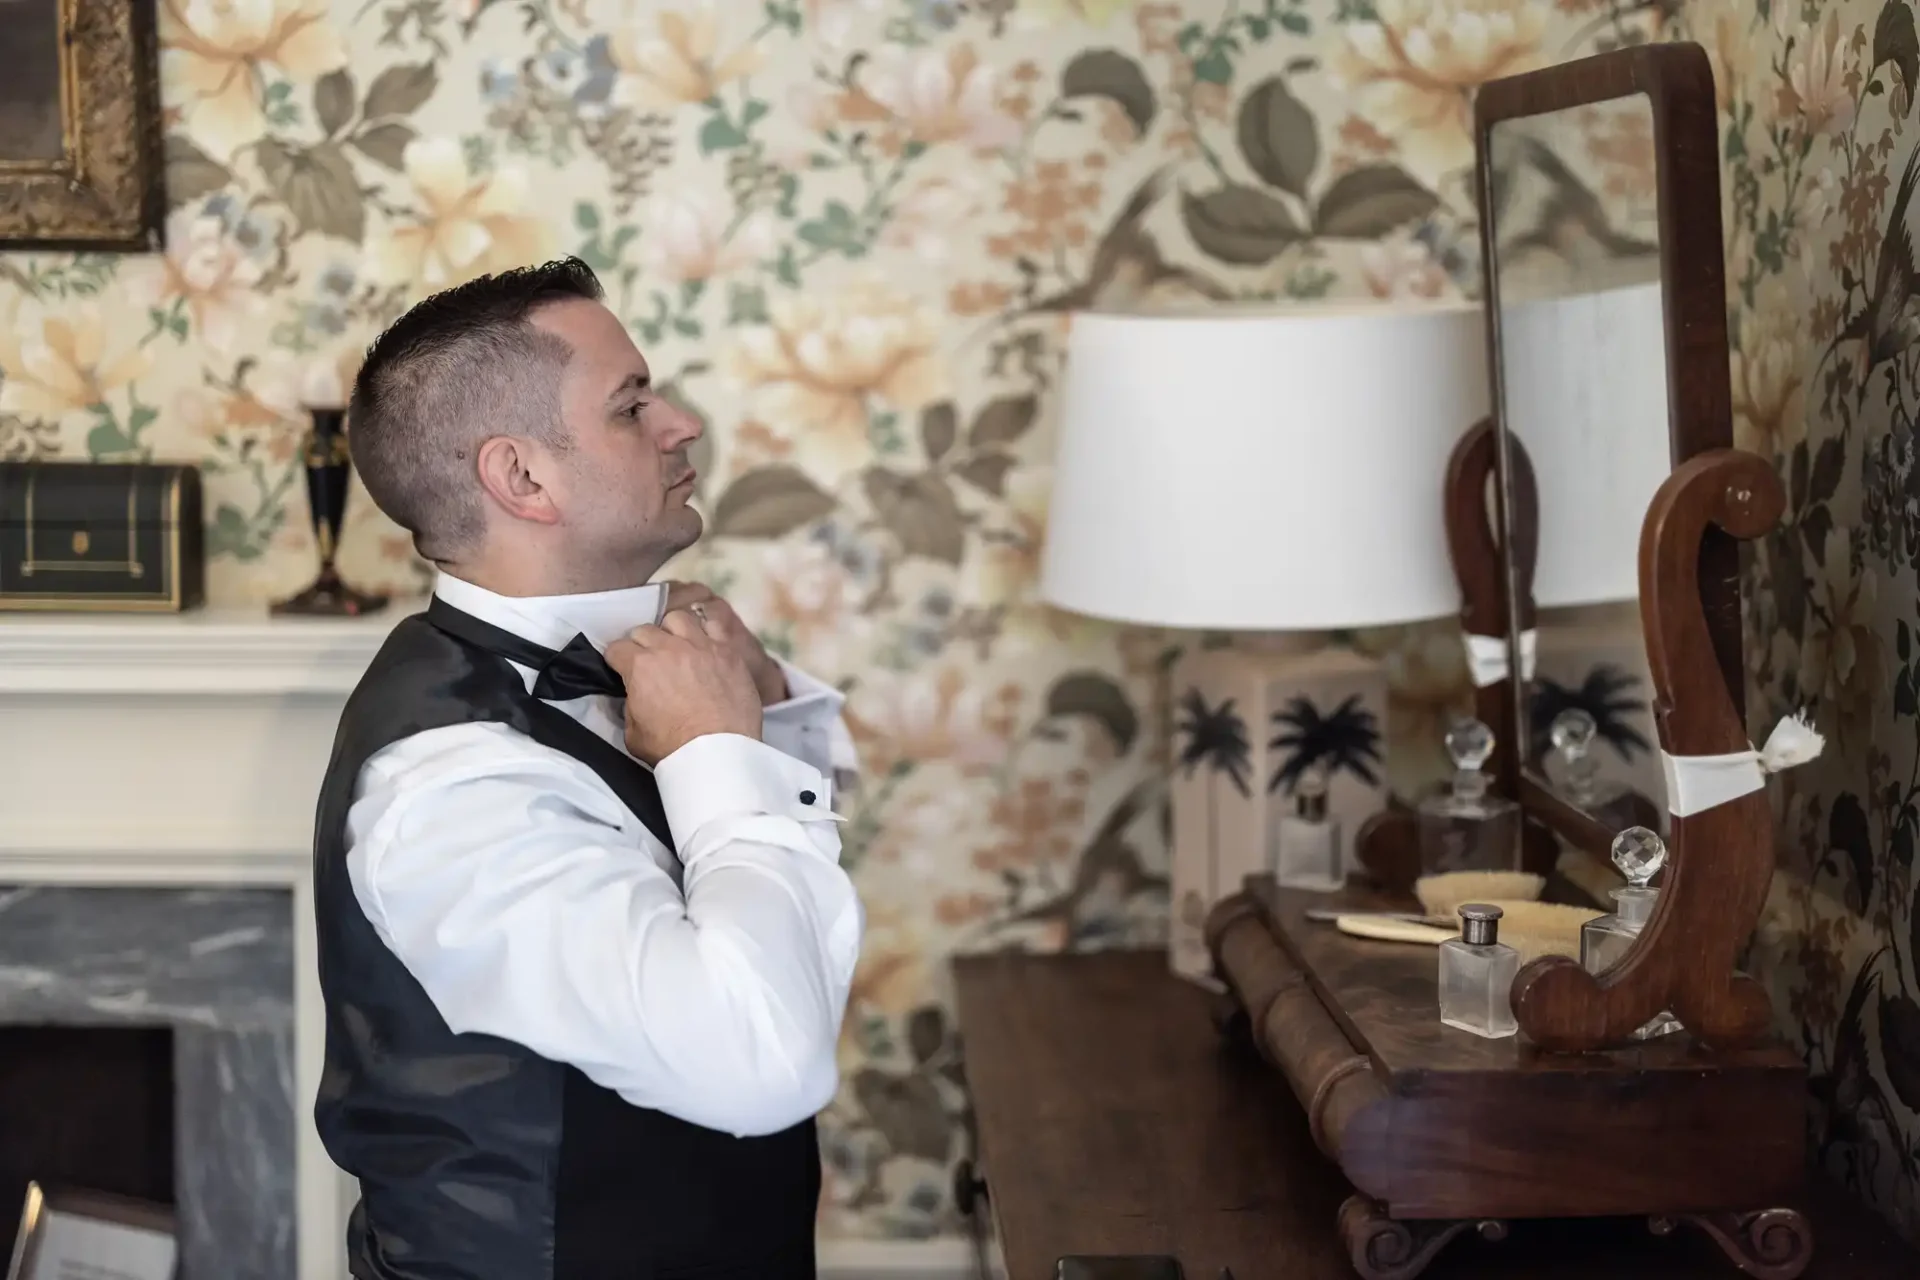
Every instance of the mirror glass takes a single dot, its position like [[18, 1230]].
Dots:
[[1576, 287]]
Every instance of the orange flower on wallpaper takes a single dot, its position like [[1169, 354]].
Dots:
[[824, 355], [465, 225], [1415, 65], [215, 54], [53, 365], [1053, 204], [1037, 821], [675, 60]]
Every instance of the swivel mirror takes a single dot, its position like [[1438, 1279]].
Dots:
[[1588, 291]]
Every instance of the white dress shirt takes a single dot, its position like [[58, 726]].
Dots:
[[530, 904]]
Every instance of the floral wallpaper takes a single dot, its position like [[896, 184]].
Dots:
[[847, 232], [1822, 152]]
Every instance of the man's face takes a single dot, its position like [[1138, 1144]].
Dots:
[[623, 489]]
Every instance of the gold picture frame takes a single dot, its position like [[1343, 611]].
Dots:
[[80, 157], [112, 1237]]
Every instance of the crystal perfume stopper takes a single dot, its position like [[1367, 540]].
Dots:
[[1572, 732], [1639, 853], [1469, 743]]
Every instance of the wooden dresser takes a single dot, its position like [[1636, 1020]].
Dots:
[[1112, 1118]]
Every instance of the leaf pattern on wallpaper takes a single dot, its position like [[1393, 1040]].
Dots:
[[1279, 140], [1824, 299], [847, 235]]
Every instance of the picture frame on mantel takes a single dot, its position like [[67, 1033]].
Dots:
[[69, 1234], [80, 154]]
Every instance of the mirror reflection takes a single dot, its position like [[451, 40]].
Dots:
[[1583, 374]]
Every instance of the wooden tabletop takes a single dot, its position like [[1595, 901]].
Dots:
[[1383, 992], [1112, 1119]]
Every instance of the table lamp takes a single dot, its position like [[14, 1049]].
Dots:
[[1275, 471], [1586, 399]]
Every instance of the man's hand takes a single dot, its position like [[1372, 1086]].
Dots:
[[723, 622], [684, 681]]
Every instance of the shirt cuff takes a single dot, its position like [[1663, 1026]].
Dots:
[[728, 775], [809, 723]]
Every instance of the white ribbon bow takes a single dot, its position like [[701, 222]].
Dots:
[[1487, 657], [1698, 783]]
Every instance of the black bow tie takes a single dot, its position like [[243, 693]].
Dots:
[[573, 672]]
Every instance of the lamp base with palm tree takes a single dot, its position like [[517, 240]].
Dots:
[[1251, 725]]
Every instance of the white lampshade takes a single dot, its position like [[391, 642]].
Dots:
[[1586, 396], [1270, 470]]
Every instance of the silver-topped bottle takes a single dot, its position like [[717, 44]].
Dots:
[[1466, 827], [1476, 975], [1306, 848], [1639, 853], [1578, 772]]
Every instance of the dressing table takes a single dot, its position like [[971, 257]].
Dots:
[[1316, 1119]]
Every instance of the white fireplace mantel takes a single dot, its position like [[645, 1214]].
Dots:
[[141, 750]]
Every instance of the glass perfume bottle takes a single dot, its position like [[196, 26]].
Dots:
[[1639, 853], [1306, 848], [1476, 975], [1579, 773], [1466, 827]]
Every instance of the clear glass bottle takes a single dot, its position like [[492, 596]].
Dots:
[[1639, 853], [1476, 975], [1578, 772], [1306, 848], [1466, 827]]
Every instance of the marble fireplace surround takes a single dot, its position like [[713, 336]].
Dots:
[[186, 751]]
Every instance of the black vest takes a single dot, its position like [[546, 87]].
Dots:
[[477, 1159]]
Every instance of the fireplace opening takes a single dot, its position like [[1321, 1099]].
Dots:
[[88, 1108]]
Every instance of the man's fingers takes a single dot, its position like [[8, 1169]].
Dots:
[[685, 624], [621, 653], [717, 610], [682, 594]]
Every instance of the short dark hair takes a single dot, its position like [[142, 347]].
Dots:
[[464, 365]]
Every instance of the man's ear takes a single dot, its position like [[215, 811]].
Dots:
[[517, 474]]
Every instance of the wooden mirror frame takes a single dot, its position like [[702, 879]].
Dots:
[[1720, 860], [1677, 81]]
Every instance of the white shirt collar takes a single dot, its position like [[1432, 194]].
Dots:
[[601, 616]]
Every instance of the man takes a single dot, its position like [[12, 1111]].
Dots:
[[584, 938]]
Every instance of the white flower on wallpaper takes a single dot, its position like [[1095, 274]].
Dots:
[[691, 235], [939, 95], [207, 273], [1816, 87]]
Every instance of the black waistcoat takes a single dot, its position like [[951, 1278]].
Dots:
[[477, 1159]]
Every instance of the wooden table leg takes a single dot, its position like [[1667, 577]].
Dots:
[[1384, 1248], [1770, 1244]]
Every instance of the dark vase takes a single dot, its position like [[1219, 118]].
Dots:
[[329, 469]]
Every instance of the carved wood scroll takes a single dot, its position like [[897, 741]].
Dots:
[[1719, 861]]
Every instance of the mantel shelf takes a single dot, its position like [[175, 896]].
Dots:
[[235, 651]]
